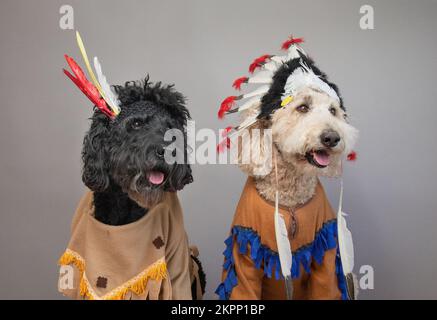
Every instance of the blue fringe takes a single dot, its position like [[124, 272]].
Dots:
[[340, 277], [262, 256]]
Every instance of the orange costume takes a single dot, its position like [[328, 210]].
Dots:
[[252, 268]]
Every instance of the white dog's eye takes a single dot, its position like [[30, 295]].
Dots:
[[303, 108], [333, 111]]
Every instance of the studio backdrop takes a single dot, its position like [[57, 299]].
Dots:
[[381, 54]]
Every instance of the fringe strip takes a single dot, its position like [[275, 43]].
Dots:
[[137, 285], [262, 256]]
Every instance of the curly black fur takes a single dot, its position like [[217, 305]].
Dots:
[[118, 154], [272, 99], [202, 279]]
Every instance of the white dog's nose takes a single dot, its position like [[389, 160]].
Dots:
[[330, 138]]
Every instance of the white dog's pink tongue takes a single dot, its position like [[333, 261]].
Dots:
[[156, 177], [322, 158]]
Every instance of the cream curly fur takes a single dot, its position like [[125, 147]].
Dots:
[[293, 134]]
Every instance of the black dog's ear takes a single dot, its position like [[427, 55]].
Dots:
[[180, 177], [188, 176], [174, 102], [95, 173]]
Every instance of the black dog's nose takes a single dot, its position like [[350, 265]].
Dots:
[[159, 150], [330, 138]]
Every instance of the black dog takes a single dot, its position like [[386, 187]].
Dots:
[[126, 167], [126, 155]]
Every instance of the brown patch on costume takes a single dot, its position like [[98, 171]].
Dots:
[[102, 282], [158, 242]]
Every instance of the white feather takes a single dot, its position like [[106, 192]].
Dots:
[[282, 241], [249, 104], [305, 77], [257, 92], [345, 241], [106, 88], [279, 59], [301, 50], [271, 66], [293, 52], [264, 77], [262, 80], [244, 125]]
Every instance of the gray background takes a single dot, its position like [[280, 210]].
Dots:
[[386, 75]]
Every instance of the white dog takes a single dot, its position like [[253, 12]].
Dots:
[[310, 136]]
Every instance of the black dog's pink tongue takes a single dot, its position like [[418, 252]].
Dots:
[[156, 177]]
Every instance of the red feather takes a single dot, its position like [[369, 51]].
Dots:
[[226, 131], [87, 87], [238, 82], [352, 156], [290, 41], [225, 143], [226, 106], [258, 62]]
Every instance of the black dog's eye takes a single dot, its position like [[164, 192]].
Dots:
[[333, 111], [303, 108], [137, 124]]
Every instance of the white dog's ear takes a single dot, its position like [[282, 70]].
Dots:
[[255, 150]]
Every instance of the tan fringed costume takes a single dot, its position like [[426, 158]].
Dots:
[[252, 268], [146, 259]]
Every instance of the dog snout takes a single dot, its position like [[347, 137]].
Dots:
[[330, 138]]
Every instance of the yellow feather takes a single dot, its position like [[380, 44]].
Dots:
[[88, 66], [286, 101]]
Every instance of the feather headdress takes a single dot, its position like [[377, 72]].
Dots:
[[281, 77], [98, 91]]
